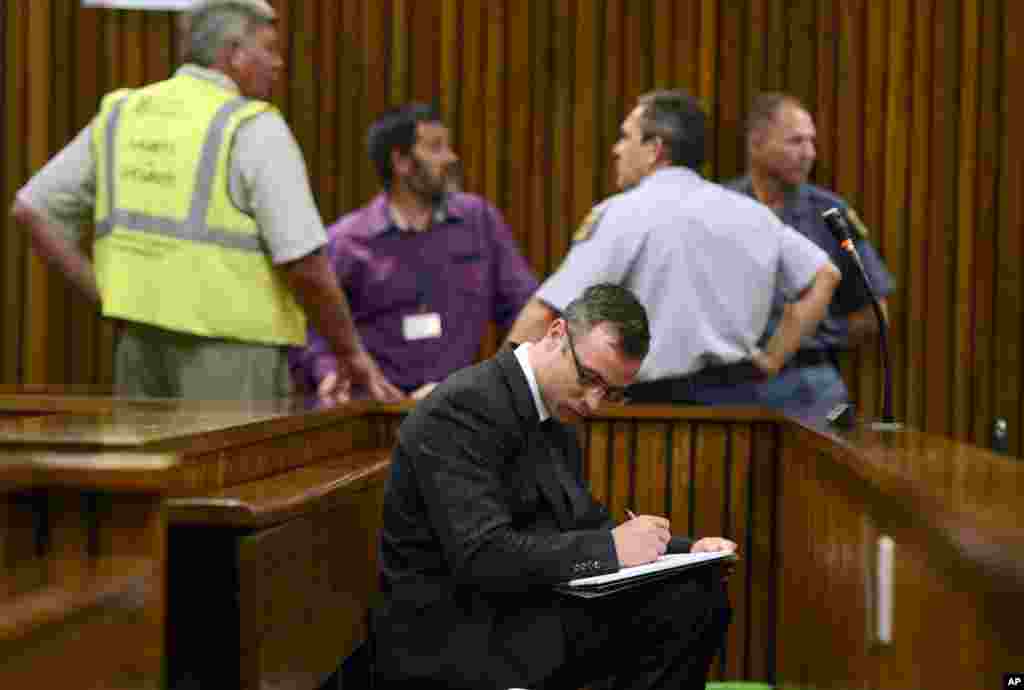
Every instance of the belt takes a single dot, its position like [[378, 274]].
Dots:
[[678, 389], [810, 358]]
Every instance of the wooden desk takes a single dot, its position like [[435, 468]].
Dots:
[[82, 565], [270, 554]]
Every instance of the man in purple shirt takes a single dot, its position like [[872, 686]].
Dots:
[[424, 268]]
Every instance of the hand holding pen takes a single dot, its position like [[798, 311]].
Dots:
[[641, 539]]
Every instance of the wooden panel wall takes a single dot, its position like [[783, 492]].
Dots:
[[912, 100]]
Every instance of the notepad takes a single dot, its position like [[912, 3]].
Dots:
[[628, 578]]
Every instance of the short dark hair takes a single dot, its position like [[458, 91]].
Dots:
[[765, 107], [396, 129], [617, 306], [678, 119]]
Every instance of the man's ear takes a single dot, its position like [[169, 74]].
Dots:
[[235, 58], [400, 163], [755, 139], [660, 151], [556, 329]]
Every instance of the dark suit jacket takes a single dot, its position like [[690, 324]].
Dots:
[[478, 524]]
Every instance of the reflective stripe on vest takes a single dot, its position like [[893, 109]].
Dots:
[[164, 211], [193, 229]]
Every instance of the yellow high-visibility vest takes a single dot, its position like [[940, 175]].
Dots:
[[172, 250]]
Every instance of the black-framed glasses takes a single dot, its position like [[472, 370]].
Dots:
[[588, 378]]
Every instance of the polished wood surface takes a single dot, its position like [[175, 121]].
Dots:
[[66, 635], [271, 552], [806, 505], [270, 556], [915, 104], [282, 497], [264, 438], [957, 525], [82, 568]]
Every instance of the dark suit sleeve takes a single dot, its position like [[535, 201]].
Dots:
[[676, 545], [463, 460]]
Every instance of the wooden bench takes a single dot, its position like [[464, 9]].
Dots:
[[270, 580], [82, 564]]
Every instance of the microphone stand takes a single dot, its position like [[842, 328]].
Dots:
[[840, 228]]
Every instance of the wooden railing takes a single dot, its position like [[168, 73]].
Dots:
[[269, 501]]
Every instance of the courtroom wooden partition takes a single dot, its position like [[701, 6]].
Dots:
[[807, 507], [712, 473], [274, 510], [915, 102], [83, 553]]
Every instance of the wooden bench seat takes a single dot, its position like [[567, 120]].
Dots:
[[284, 496], [270, 580]]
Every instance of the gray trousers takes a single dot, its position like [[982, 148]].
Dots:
[[151, 362]]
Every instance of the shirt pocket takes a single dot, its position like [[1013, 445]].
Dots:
[[468, 274]]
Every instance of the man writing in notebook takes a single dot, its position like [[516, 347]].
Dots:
[[485, 511]]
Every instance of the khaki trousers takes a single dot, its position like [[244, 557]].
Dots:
[[151, 362]]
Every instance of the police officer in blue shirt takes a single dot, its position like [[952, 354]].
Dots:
[[781, 153], [704, 261]]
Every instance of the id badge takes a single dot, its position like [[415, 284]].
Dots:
[[421, 326]]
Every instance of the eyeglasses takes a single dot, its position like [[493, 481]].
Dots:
[[588, 378]]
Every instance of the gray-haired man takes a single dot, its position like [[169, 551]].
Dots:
[[208, 241]]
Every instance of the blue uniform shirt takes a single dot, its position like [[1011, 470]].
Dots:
[[803, 213]]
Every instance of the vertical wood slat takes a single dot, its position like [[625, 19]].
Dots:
[[915, 284], [987, 225], [736, 496], [518, 127], [613, 106], [911, 106], [325, 173], [36, 340], [894, 218], [561, 218], [585, 100], [12, 174], [940, 259], [727, 126], [542, 136], [399, 51], [866, 388], [965, 276], [1012, 217]]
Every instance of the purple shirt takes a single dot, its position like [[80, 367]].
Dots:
[[466, 267]]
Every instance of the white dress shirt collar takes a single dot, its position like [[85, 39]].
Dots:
[[524, 362]]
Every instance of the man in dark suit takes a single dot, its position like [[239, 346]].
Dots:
[[486, 509]]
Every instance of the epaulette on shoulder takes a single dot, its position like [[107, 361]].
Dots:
[[586, 228]]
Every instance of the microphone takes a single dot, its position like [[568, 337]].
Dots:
[[839, 226]]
